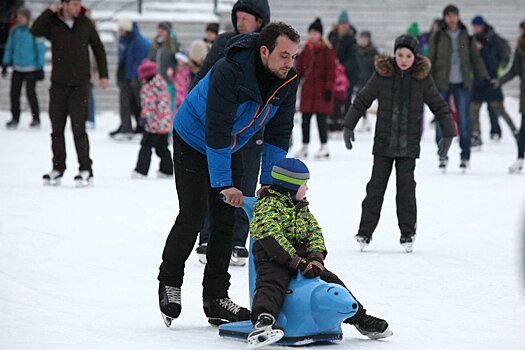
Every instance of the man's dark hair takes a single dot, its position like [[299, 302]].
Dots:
[[272, 31], [450, 9]]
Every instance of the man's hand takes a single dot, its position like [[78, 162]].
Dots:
[[104, 83], [54, 7], [348, 136], [232, 196]]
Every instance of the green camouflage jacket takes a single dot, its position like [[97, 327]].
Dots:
[[284, 229]]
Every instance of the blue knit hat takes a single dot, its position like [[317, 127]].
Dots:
[[478, 21], [289, 174], [343, 17]]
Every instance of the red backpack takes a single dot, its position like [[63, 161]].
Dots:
[[341, 83]]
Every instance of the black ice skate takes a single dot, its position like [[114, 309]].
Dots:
[[363, 240], [201, 252], [224, 310], [264, 332], [373, 327], [239, 256], [407, 242], [443, 162], [53, 178], [83, 179], [169, 302]]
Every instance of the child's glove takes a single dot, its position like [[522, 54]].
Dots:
[[348, 136], [316, 265]]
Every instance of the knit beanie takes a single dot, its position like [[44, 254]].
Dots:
[[198, 50], [147, 69], [165, 25], [450, 9], [317, 26], [413, 29], [289, 174], [366, 34], [125, 24], [343, 17], [408, 41], [478, 21]]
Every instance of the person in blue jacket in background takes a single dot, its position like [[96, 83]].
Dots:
[[27, 56], [253, 87]]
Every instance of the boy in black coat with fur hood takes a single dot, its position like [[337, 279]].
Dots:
[[402, 85]]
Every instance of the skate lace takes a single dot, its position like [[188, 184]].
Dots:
[[173, 294], [229, 305]]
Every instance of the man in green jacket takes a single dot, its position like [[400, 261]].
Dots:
[[70, 33], [455, 59]]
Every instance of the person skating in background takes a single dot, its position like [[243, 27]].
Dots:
[[26, 54], [132, 49], [402, 85], [247, 16], [182, 79], [344, 44], [163, 51], [70, 33], [217, 118], [495, 53], [288, 239], [156, 118], [518, 70], [455, 59], [196, 56], [210, 34], [316, 66], [366, 53]]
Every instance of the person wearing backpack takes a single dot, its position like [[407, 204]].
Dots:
[[495, 53]]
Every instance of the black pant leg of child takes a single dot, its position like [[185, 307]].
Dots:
[[270, 288], [406, 195], [143, 162], [163, 152], [331, 277]]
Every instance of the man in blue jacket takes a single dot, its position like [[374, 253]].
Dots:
[[252, 87], [132, 49]]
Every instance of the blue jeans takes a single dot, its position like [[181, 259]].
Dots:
[[462, 102]]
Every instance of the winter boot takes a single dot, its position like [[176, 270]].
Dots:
[[373, 327], [201, 252], [224, 310], [407, 241], [239, 256], [83, 179], [443, 162], [53, 178], [363, 240], [516, 167], [323, 152], [169, 302], [303, 152], [264, 332], [12, 124]]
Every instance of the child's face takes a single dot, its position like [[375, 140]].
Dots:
[[301, 192], [404, 58]]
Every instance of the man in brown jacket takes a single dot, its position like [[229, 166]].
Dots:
[[70, 33]]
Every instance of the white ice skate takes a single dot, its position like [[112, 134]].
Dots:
[[83, 179], [323, 152], [303, 152], [264, 332], [516, 167], [52, 178]]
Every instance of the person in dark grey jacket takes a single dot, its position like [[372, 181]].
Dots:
[[402, 86]]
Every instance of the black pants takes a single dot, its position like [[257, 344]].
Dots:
[[72, 101], [321, 124], [405, 197], [160, 143], [129, 97], [251, 161], [271, 286], [17, 81], [195, 195]]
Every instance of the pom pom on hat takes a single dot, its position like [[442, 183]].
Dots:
[[316, 25]]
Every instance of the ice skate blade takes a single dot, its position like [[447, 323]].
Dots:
[[235, 261], [83, 183], [52, 182], [202, 259], [409, 247], [167, 320], [375, 335], [264, 338]]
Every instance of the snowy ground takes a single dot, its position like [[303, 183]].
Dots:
[[78, 266]]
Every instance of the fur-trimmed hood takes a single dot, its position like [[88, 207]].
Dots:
[[385, 67]]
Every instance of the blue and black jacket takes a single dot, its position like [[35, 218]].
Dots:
[[225, 109]]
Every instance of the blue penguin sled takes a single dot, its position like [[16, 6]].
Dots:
[[312, 311]]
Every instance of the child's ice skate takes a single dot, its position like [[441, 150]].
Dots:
[[407, 242], [264, 332], [373, 327], [83, 179], [53, 178], [363, 240]]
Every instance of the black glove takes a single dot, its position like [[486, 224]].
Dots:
[[327, 95], [4, 71], [316, 265], [309, 268], [348, 136], [444, 146]]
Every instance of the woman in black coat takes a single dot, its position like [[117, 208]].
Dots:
[[402, 86], [518, 69]]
